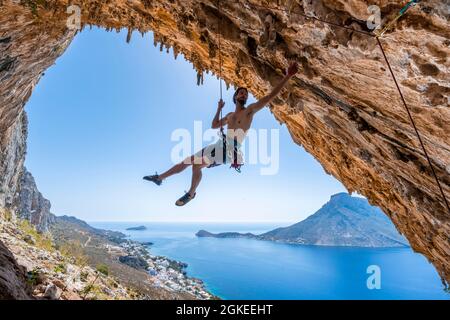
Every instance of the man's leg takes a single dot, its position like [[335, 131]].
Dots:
[[174, 170], [158, 178], [196, 177]]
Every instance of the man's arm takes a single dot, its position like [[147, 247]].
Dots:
[[217, 122], [255, 107]]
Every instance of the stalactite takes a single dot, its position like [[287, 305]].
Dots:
[[175, 52], [130, 32], [198, 78]]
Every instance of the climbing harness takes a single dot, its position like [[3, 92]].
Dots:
[[377, 35]]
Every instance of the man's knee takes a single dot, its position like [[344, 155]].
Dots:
[[188, 161], [193, 160], [198, 167]]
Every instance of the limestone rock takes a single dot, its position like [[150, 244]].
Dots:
[[52, 292], [13, 283], [31, 205], [343, 107]]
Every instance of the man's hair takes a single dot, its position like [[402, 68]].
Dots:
[[236, 93]]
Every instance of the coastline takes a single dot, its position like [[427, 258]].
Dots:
[[74, 261], [167, 273]]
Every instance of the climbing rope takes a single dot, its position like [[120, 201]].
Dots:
[[237, 166], [411, 119], [219, 25], [410, 4]]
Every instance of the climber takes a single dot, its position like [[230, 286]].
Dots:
[[238, 123]]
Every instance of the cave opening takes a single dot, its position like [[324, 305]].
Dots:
[[386, 174], [93, 114], [99, 121]]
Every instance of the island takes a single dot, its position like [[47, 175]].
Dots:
[[140, 228], [343, 221]]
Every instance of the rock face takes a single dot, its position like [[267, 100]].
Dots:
[[31, 205], [343, 108], [13, 284], [12, 158]]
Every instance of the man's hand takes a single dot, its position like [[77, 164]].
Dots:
[[220, 104], [292, 70], [217, 122]]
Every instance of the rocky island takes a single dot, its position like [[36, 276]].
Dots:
[[343, 221], [140, 228]]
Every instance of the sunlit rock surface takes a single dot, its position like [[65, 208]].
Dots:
[[343, 107], [31, 204]]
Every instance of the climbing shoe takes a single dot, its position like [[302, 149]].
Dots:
[[185, 199], [155, 178]]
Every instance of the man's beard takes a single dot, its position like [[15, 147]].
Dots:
[[242, 101]]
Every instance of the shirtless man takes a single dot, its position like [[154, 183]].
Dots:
[[238, 123]]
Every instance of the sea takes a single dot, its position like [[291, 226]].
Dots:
[[247, 269]]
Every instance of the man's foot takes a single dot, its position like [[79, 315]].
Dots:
[[185, 199], [155, 178]]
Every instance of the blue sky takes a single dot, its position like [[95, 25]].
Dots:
[[102, 117]]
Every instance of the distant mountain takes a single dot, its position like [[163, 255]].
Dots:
[[204, 233], [70, 228], [342, 221]]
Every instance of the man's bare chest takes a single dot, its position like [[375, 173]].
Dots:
[[239, 120]]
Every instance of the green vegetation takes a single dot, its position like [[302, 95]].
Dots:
[[86, 290], [84, 276], [33, 276], [6, 214], [95, 293], [112, 283], [74, 250], [60, 268], [103, 269], [42, 241]]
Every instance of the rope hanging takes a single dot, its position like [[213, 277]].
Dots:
[[411, 119], [237, 166], [220, 64]]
